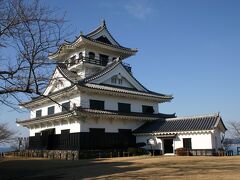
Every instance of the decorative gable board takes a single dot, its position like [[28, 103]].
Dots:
[[124, 82], [104, 34], [57, 83], [128, 80]]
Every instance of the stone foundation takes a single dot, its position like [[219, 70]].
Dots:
[[76, 154]]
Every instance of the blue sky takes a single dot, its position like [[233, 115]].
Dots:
[[188, 48]]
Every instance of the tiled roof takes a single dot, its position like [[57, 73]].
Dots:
[[51, 117], [110, 45], [137, 114], [49, 97], [80, 111], [195, 123], [70, 75], [89, 37], [127, 91], [99, 29], [104, 71], [75, 79]]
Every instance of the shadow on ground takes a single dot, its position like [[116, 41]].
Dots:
[[60, 169], [123, 168]]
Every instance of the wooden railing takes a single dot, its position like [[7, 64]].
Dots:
[[100, 62]]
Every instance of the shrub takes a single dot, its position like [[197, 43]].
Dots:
[[183, 152]]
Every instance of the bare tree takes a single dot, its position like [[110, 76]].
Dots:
[[6, 134], [234, 129], [28, 32]]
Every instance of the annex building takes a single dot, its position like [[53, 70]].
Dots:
[[93, 101]]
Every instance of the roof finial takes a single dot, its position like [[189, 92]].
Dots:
[[103, 22], [81, 32]]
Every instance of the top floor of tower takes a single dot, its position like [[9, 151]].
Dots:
[[96, 50]]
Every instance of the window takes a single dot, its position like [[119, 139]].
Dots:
[[95, 104], [72, 60], [114, 80], [91, 55], [147, 109], [124, 107], [65, 131], [80, 55], [38, 113], [119, 81], [103, 59], [50, 110], [37, 134], [187, 143], [66, 106]]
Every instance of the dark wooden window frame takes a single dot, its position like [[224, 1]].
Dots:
[[187, 143], [38, 113], [104, 58], [66, 106], [96, 104], [147, 109], [51, 110], [91, 55], [124, 107]]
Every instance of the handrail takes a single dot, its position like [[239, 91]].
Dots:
[[100, 62]]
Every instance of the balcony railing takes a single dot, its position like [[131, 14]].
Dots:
[[100, 62]]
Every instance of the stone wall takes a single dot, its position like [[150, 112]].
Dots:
[[82, 154], [50, 154]]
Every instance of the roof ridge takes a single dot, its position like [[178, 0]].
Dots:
[[101, 28], [193, 117]]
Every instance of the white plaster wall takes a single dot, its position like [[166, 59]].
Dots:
[[74, 127], [111, 102], [199, 141], [110, 125], [73, 100]]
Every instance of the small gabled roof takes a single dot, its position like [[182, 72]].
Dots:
[[98, 30], [90, 38], [181, 124], [131, 50], [104, 71]]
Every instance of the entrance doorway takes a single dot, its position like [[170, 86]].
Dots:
[[168, 145]]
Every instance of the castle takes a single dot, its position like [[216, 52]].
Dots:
[[93, 101]]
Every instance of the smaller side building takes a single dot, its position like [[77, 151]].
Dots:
[[197, 133]]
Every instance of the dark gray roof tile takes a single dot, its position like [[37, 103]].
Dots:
[[196, 123]]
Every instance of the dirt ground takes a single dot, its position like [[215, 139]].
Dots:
[[144, 167]]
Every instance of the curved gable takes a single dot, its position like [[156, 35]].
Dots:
[[119, 71]]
